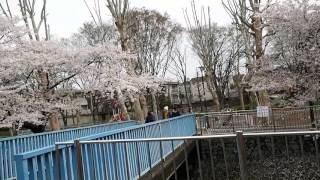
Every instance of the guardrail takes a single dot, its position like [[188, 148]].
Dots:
[[20, 144], [60, 161], [274, 155], [277, 119]]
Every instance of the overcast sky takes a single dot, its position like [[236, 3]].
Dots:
[[66, 16]]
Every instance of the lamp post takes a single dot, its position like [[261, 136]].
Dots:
[[203, 88]]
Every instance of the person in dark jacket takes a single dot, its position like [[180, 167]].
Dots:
[[175, 112], [150, 118]]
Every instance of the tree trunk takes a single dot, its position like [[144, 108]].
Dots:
[[46, 92], [263, 98], [65, 119], [212, 90], [78, 118], [246, 37], [154, 105], [54, 122], [137, 111], [240, 92], [123, 107], [144, 105], [123, 35], [92, 108], [72, 115], [257, 29]]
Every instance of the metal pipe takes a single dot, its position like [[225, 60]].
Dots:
[[115, 163], [211, 160], [79, 159], [287, 147], [186, 159], [127, 161], [138, 158], [174, 162], [199, 159], [301, 145], [317, 150], [162, 161], [242, 155], [57, 151], [259, 148], [198, 137], [225, 158]]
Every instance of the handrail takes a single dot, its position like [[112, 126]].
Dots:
[[276, 119], [37, 152], [43, 142], [137, 164], [63, 130], [293, 133], [254, 110], [30, 161]]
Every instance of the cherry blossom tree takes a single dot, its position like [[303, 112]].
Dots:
[[295, 51], [148, 34], [28, 101]]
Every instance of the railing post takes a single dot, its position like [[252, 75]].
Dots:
[[273, 120], [22, 168], [232, 121], [242, 155], [58, 168], [313, 124], [127, 157], [77, 146], [200, 124]]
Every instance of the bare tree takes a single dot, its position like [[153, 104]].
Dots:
[[6, 10], [202, 33], [247, 15], [211, 43], [224, 69], [34, 20], [28, 12], [178, 67], [119, 10], [98, 34], [238, 51], [152, 37]]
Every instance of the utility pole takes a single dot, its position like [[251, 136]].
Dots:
[[198, 86], [203, 88]]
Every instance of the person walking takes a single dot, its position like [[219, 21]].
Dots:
[[150, 117], [166, 112]]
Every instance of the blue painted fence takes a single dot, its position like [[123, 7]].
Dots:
[[20, 144], [105, 161]]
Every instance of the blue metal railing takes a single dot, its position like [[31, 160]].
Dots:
[[60, 162], [20, 144]]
